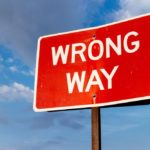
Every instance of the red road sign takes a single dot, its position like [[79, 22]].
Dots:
[[92, 67]]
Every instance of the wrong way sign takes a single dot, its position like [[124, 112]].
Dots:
[[92, 67]]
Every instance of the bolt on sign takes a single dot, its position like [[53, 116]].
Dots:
[[98, 66]]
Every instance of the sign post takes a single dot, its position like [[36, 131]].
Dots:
[[96, 128]]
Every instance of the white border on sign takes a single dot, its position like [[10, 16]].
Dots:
[[82, 106]]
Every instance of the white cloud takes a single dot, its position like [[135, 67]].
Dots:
[[130, 8], [13, 69], [15, 92], [24, 72], [28, 73]]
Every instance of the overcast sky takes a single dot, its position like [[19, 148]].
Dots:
[[21, 23]]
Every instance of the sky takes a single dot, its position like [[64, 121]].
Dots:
[[21, 23]]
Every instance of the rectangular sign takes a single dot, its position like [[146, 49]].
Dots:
[[92, 67]]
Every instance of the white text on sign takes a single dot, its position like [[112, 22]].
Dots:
[[61, 53]]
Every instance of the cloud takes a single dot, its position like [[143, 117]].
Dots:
[[130, 8], [58, 134], [28, 73], [63, 119], [74, 120], [16, 91], [22, 22], [15, 69], [69, 122], [43, 121]]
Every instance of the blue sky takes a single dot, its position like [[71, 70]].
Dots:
[[21, 23]]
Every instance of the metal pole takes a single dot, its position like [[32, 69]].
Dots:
[[96, 128]]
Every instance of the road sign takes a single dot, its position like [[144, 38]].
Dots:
[[92, 67]]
